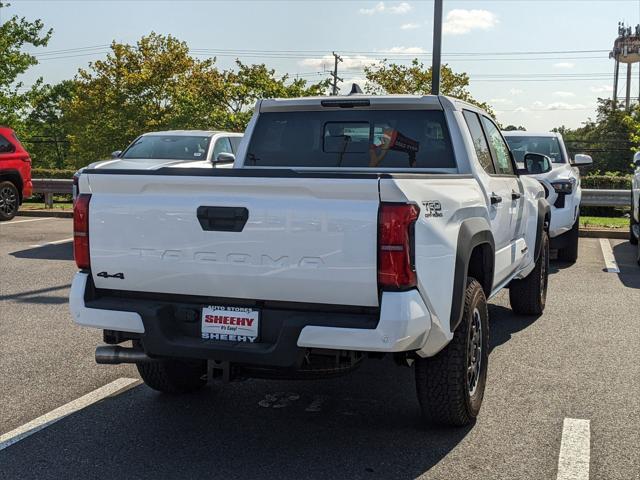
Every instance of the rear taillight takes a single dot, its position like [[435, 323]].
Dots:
[[396, 270], [81, 230]]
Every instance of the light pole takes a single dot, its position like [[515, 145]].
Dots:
[[437, 47]]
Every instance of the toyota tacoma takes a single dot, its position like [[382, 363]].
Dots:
[[349, 228]]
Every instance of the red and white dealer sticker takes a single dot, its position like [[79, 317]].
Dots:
[[234, 324]]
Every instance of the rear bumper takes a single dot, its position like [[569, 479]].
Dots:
[[27, 189], [170, 326]]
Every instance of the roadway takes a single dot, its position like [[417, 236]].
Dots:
[[577, 361]]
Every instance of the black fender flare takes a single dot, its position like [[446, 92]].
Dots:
[[544, 211], [473, 232]]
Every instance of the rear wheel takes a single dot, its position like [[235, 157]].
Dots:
[[450, 385], [174, 376], [9, 200], [634, 227], [529, 295], [570, 252]]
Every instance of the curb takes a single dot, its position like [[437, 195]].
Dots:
[[619, 233], [45, 213]]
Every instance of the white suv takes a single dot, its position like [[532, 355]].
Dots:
[[562, 186]]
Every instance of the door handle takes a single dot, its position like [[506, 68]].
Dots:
[[222, 219], [515, 195], [495, 199]]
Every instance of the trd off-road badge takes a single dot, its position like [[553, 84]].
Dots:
[[432, 208]]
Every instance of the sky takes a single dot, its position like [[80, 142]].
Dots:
[[539, 63]]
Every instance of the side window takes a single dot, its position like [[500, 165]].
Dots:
[[223, 145], [479, 141], [235, 143], [500, 149], [6, 146]]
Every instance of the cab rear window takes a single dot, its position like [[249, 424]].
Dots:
[[351, 139]]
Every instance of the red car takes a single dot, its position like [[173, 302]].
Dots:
[[15, 174]]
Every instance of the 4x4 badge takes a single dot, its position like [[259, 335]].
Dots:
[[119, 276], [432, 208]]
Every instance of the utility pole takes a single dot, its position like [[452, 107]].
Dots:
[[334, 74], [437, 47]]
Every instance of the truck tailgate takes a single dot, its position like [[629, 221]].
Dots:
[[304, 240]]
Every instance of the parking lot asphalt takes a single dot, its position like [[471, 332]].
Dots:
[[579, 360]]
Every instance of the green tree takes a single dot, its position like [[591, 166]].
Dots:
[[393, 78], [510, 128], [609, 138], [157, 85], [15, 34], [46, 127]]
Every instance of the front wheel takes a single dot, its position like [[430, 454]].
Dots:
[[450, 385], [529, 295], [9, 200], [570, 252]]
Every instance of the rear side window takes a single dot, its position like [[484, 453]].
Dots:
[[6, 146], [352, 139], [479, 141]]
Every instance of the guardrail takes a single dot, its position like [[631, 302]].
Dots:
[[590, 197], [606, 198], [51, 186]]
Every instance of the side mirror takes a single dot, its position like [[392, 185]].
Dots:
[[636, 159], [116, 154], [225, 158], [581, 160], [535, 163]]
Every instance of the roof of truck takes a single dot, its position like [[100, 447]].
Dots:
[[521, 133], [382, 102]]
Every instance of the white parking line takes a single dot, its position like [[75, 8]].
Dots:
[[609, 259], [13, 222], [57, 242], [573, 462], [111, 389]]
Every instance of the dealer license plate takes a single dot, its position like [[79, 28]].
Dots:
[[234, 324]]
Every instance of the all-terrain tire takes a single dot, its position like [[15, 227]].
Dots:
[[528, 296], [570, 252], [9, 201], [174, 376], [447, 392]]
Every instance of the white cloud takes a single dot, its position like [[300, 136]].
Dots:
[[460, 21], [398, 9], [410, 26], [602, 89], [401, 8], [379, 7], [564, 106], [515, 91], [564, 94], [538, 105], [564, 65], [349, 62], [405, 50], [502, 101]]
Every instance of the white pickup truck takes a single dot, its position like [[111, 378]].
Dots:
[[561, 184], [350, 227]]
